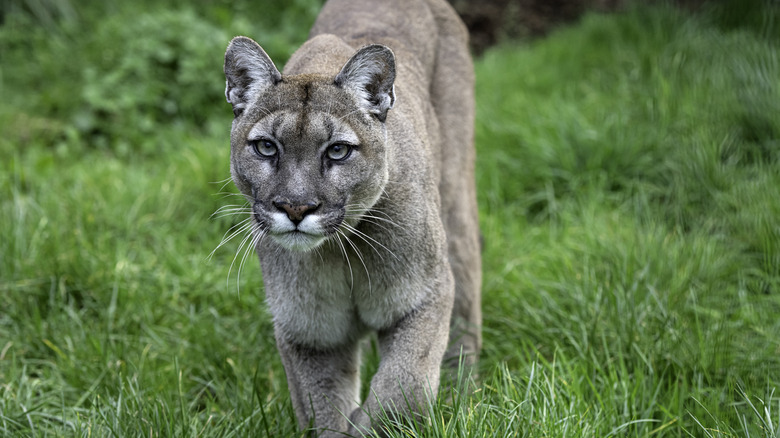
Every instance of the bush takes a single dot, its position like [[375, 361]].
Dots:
[[162, 68], [129, 71]]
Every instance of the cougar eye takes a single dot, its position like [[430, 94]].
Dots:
[[264, 148], [338, 151]]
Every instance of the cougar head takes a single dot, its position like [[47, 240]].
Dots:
[[308, 151]]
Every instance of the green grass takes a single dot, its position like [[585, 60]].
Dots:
[[629, 188]]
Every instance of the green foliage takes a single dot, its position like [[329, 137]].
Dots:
[[635, 211], [629, 184], [161, 67], [130, 70]]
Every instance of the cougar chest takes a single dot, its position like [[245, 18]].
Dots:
[[311, 304]]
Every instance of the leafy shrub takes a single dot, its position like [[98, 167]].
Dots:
[[110, 76], [161, 68]]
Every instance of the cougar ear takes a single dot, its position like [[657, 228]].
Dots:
[[248, 71], [370, 74]]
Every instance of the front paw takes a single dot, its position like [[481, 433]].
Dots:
[[360, 424]]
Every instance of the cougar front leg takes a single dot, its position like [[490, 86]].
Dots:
[[324, 385], [408, 374]]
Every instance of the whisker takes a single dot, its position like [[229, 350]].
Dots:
[[226, 206], [346, 257], [360, 257], [319, 254], [227, 210], [239, 213], [225, 195], [231, 213], [371, 220], [235, 230], [372, 211], [249, 237], [252, 245], [366, 238], [225, 182], [370, 216]]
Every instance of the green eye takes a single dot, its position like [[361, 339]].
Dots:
[[264, 148], [338, 151]]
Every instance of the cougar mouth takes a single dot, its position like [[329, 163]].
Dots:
[[298, 240], [300, 235]]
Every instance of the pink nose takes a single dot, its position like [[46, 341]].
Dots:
[[296, 212]]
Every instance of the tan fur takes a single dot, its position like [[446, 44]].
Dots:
[[358, 162]]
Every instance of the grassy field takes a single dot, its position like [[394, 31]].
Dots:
[[629, 188]]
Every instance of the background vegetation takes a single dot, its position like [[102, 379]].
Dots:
[[629, 184]]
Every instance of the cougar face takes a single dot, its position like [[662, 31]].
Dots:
[[309, 158]]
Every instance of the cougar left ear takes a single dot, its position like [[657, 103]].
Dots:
[[248, 71], [370, 74]]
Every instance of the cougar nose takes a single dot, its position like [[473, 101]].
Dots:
[[296, 211]]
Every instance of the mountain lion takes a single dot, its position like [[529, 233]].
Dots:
[[358, 165]]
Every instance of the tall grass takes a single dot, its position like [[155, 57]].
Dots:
[[629, 192]]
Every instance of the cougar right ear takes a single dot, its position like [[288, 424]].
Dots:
[[248, 71], [370, 74]]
